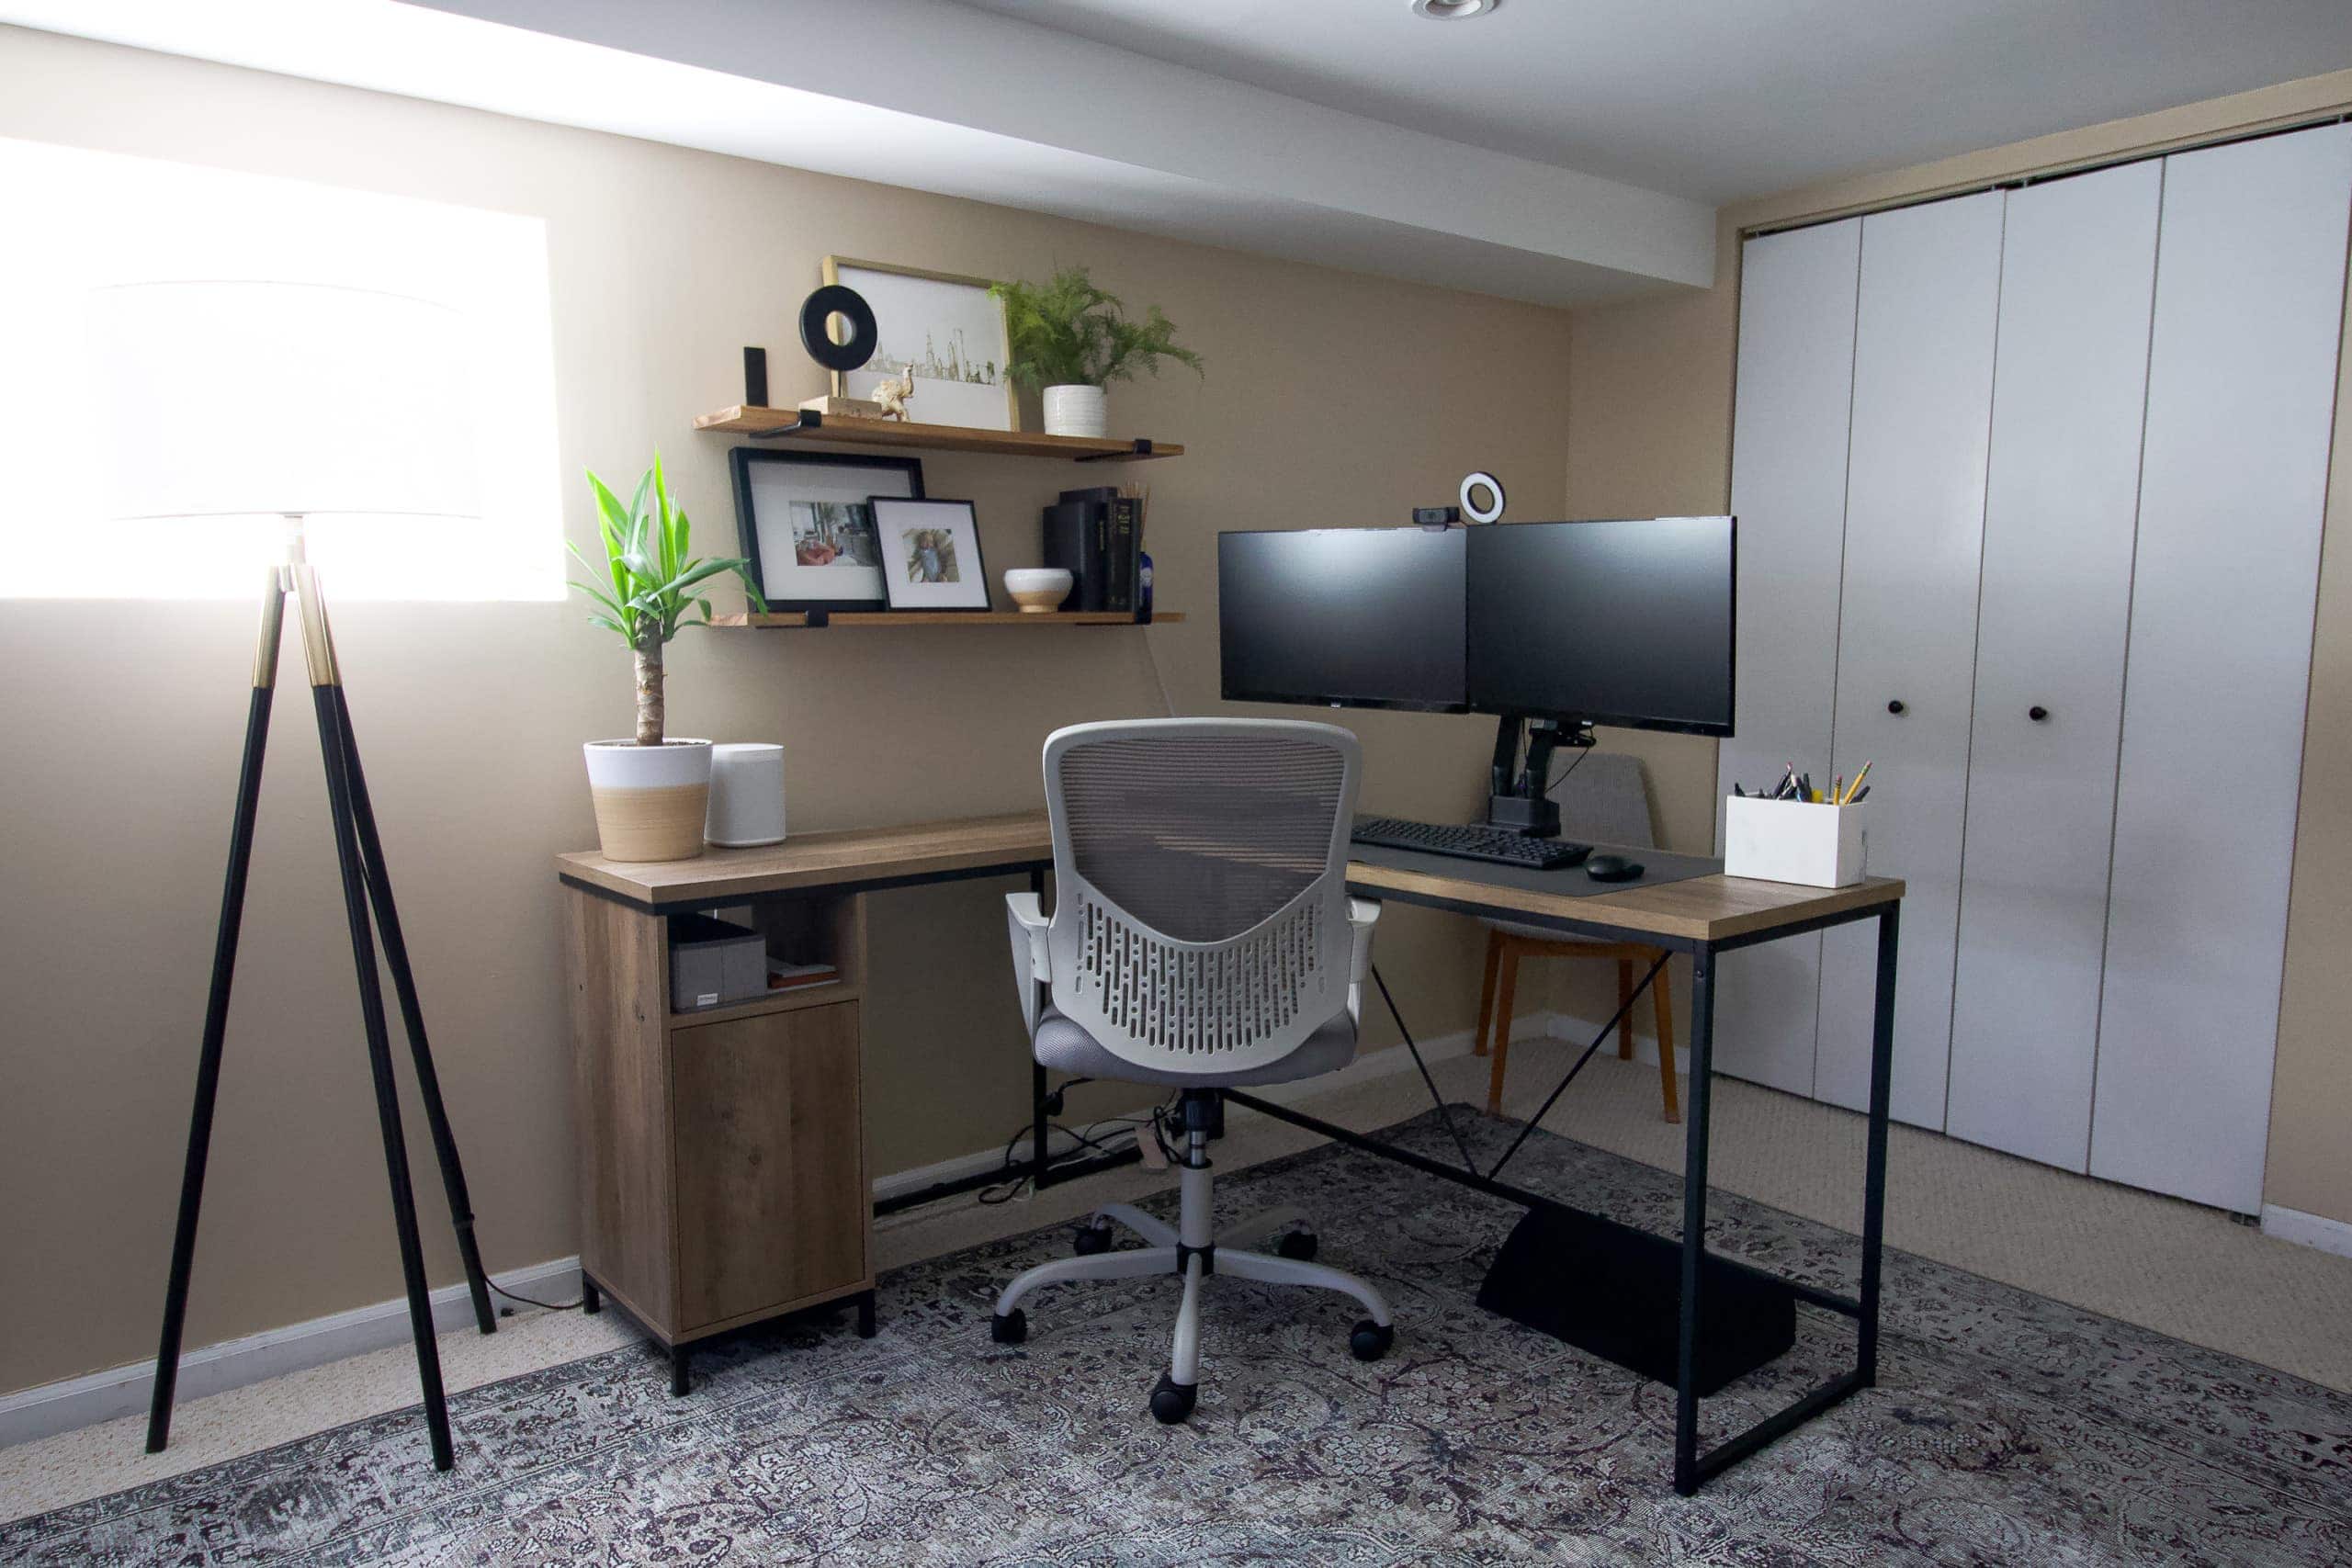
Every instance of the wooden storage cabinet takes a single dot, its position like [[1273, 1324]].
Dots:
[[722, 1161]]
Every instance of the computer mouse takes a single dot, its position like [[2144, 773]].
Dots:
[[1611, 868]]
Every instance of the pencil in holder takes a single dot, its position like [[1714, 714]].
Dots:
[[1815, 845]]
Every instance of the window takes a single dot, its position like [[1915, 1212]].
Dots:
[[82, 220]]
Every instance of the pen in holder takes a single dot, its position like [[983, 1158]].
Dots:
[[1814, 844]]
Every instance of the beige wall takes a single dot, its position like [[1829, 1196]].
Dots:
[[1649, 431], [1331, 397]]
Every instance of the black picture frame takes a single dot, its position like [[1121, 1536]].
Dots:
[[764, 496], [968, 578]]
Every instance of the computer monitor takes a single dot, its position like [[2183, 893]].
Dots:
[[1620, 623], [1344, 617]]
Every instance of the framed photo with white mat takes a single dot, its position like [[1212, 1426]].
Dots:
[[805, 520], [930, 554], [949, 328]]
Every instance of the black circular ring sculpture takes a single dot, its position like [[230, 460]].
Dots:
[[834, 299]]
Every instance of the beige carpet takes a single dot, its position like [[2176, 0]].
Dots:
[[2173, 1267]]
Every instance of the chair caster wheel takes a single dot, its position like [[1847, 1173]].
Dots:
[[1370, 1341], [1091, 1240], [1008, 1328], [1298, 1246], [1172, 1401]]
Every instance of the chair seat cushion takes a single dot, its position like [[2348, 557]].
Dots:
[[1067, 1048]]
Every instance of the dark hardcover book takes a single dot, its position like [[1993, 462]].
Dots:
[[1075, 534], [1124, 545]]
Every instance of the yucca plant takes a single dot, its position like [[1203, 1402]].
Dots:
[[652, 582], [1070, 333]]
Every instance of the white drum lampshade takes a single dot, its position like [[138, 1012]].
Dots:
[[746, 794], [296, 398]]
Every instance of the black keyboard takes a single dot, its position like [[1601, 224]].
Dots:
[[1498, 844]]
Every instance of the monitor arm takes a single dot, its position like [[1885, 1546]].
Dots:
[[1520, 802]]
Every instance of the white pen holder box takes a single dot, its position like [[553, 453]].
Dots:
[[1793, 840]]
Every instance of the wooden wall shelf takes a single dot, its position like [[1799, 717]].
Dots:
[[877, 619], [775, 424]]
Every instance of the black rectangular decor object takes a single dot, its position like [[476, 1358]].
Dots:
[[1616, 1292], [755, 378]]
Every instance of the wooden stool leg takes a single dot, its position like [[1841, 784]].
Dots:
[[1664, 991], [1625, 1009], [1502, 1027], [1486, 993]]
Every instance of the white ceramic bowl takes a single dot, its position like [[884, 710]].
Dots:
[[1038, 589]]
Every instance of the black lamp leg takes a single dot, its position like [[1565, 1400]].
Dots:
[[216, 1024], [332, 747], [428, 1082]]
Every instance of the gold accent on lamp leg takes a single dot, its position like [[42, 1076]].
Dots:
[[273, 622], [318, 641]]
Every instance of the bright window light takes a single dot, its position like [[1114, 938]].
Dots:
[[85, 222]]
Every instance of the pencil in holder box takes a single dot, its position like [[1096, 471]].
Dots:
[[1813, 844]]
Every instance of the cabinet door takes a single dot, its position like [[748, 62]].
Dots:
[[2242, 383], [1787, 490], [2078, 262], [773, 1203], [1914, 513]]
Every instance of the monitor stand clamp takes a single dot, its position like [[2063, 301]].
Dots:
[[1518, 802]]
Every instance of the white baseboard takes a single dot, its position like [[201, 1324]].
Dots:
[[1375, 1065], [2307, 1230], [85, 1401], [1560, 1026], [74, 1403]]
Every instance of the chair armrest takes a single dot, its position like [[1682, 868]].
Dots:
[[1362, 915], [1033, 963]]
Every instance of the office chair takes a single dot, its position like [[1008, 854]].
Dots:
[[1604, 799], [1202, 938]]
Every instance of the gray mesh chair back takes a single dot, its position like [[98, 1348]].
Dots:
[[1200, 912]]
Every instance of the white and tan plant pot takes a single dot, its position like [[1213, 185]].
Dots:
[[1075, 411], [650, 800]]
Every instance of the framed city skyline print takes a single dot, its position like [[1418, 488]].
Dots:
[[805, 520], [949, 328]]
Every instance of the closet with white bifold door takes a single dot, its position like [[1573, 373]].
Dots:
[[2031, 485]]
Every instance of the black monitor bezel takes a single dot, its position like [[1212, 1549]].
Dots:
[[1628, 721], [1325, 699]]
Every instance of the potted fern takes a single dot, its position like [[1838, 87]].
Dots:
[[651, 793], [1073, 339]]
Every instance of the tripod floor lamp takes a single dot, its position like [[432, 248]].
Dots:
[[308, 402]]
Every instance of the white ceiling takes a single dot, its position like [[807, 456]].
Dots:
[[1562, 151], [1724, 99]]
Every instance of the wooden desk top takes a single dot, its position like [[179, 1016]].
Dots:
[[923, 852], [1698, 909]]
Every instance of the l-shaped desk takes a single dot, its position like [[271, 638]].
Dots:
[[638, 1243]]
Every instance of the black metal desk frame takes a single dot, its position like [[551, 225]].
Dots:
[[1692, 1467]]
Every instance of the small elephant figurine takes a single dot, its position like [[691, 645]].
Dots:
[[893, 395]]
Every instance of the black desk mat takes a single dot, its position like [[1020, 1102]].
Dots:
[[1566, 882]]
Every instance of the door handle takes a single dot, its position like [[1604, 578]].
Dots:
[[1895, 706], [2037, 712]]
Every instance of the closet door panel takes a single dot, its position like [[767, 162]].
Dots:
[[1915, 509], [1787, 490], [2078, 261], [2241, 392]]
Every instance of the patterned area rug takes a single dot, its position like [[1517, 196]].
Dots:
[[2007, 1428]]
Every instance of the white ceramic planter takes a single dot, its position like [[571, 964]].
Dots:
[[650, 800], [1075, 411]]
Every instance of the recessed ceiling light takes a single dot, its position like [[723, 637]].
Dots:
[[1452, 10]]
